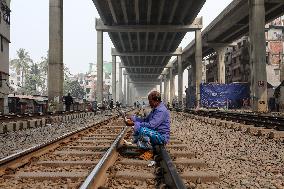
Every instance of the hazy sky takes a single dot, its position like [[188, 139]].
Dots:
[[29, 30]]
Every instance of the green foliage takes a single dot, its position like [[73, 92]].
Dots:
[[21, 63], [33, 80], [34, 75], [74, 88]]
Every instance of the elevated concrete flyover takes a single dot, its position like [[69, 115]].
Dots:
[[231, 24], [145, 34]]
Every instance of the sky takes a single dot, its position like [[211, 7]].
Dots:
[[30, 22]]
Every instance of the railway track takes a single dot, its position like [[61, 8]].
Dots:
[[258, 120], [97, 157], [27, 116], [60, 162]]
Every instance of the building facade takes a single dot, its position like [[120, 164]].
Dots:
[[88, 81], [4, 55], [237, 57]]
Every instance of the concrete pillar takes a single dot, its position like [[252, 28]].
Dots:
[[55, 65], [120, 94], [127, 91], [221, 63], [113, 84], [124, 89], [6, 105], [282, 78], [100, 66], [258, 55], [197, 68], [172, 85], [282, 63], [189, 76], [180, 80], [161, 86], [166, 90]]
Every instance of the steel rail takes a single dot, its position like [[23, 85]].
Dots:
[[35, 148], [268, 121], [171, 176], [40, 146], [89, 182]]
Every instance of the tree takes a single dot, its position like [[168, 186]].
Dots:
[[74, 88], [43, 67], [22, 63], [33, 80]]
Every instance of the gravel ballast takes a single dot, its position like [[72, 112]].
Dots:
[[17, 141], [241, 160]]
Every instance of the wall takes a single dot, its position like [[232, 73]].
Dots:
[[4, 54]]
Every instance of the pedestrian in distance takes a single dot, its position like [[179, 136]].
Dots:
[[68, 101], [111, 104]]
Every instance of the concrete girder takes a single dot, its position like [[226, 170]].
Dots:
[[162, 4], [114, 52], [137, 11], [244, 26], [149, 11], [144, 82], [123, 6], [145, 67], [142, 74], [147, 28]]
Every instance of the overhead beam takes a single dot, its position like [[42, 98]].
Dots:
[[139, 74], [142, 82], [112, 11], [137, 11], [141, 67], [114, 52], [143, 74], [123, 6], [274, 1], [146, 28]]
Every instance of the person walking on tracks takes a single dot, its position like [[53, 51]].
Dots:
[[68, 101], [155, 128]]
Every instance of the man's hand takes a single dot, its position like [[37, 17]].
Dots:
[[131, 117]]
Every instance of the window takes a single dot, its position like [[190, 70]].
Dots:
[[88, 90]]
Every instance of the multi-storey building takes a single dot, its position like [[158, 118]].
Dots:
[[237, 57], [15, 79], [88, 81], [4, 54]]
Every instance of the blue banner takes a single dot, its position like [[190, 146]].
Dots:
[[224, 95]]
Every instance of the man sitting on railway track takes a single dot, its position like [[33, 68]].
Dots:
[[155, 128]]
